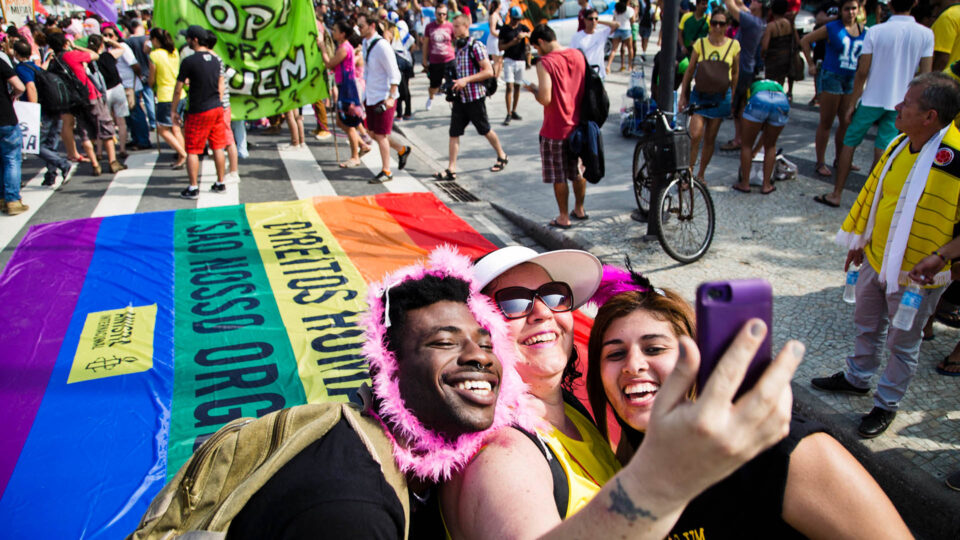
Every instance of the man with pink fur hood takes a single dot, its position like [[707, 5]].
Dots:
[[437, 390]]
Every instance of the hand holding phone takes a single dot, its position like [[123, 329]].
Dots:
[[723, 307]]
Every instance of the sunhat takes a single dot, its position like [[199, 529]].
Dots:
[[578, 269]]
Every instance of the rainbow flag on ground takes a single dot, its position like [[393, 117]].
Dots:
[[129, 340]]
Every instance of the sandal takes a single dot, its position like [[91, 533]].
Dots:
[[948, 318], [853, 168], [821, 166], [736, 187], [364, 150], [349, 164], [500, 164], [948, 367], [554, 223], [822, 199], [730, 146], [446, 175]]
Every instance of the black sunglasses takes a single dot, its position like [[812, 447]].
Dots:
[[718, 23], [593, 18], [517, 302]]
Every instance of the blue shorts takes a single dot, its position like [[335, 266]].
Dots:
[[768, 107], [720, 101], [836, 83], [621, 33], [163, 114]]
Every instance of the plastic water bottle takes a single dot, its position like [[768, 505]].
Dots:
[[850, 289], [907, 310]]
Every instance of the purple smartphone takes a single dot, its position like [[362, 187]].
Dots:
[[723, 307]]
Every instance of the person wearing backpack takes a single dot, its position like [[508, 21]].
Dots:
[[442, 377], [714, 65], [28, 72], [473, 70], [560, 76]]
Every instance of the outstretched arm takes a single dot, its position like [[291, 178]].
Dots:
[[506, 492]]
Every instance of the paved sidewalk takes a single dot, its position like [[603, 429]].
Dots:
[[785, 237]]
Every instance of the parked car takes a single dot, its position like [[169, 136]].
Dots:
[[562, 18]]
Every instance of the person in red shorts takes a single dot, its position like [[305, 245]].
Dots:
[[204, 123]]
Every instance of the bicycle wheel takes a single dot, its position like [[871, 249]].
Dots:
[[641, 190], [638, 160], [685, 212]]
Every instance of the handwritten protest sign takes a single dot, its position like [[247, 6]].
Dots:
[[269, 47]]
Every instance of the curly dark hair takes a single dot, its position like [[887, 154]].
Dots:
[[418, 293]]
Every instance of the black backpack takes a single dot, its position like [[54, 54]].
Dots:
[[489, 84], [594, 105], [58, 89]]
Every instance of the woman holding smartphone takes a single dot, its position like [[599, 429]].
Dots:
[[806, 485], [563, 478]]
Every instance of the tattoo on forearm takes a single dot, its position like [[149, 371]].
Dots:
[[620, 503]]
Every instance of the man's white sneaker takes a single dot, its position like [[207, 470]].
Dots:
[[428, 105]]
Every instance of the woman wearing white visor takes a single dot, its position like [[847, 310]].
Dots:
[[564, 480]]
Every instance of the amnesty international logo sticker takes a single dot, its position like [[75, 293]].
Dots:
[[115, 342]]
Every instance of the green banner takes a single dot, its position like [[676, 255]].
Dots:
[[233, 357], [269, 47]]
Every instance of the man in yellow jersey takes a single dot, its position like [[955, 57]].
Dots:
[[901, 230], [693, 26]]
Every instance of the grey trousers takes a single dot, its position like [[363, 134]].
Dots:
[[872, 317]]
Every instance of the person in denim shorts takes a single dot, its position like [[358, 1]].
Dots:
[[767, 112], [844, 40], [705, 122]]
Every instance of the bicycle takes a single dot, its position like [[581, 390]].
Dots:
[[684, 218]]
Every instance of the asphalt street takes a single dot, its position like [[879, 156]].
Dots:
[[784, 237]]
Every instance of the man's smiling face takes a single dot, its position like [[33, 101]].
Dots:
[[447, 372]]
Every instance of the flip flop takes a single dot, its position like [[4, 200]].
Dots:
[[579, 218], [821, 167], [771, 190], [822, 199], [736, 187], [730, 146], [553, 223], [948, 368], [949, 318], [350, 164]]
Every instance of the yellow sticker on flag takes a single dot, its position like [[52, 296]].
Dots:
[[115, 342]]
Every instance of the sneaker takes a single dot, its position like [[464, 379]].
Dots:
[[506, 121], [875, 422], [838, 383], [12, 208], [190, 193], [515, 116], [381, 177], [428, 105], [116, 166], [49, 179], [218, 187], [322, 135], [402, 158], [232, 178]]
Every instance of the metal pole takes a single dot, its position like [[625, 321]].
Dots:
[[669, 21]]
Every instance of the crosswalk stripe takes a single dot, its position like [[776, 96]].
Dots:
[[402, 181], [208, 177], [33, 195], [125, 191], [305, 173]]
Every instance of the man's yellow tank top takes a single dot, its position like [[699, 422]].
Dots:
[[588, 463]]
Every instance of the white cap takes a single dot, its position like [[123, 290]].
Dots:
[[578, 269]]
